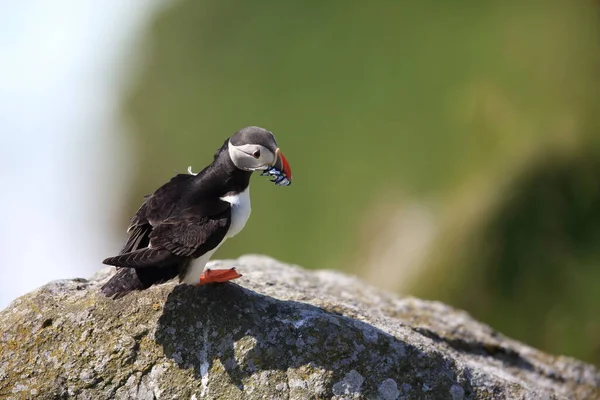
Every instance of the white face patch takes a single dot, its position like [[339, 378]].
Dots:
[[244, 156]]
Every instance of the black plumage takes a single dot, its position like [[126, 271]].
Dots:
[[180, 221]]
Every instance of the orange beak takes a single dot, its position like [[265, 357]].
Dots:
[[282, 164]]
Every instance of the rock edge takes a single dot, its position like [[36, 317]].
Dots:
[[280, 332]]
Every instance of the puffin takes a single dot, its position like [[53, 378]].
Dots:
[[180, 225]]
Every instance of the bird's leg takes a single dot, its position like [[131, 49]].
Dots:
[[218, 275]]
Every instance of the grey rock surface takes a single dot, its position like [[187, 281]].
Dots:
[[280, 332]]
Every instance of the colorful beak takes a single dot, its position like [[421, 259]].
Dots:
[[282, 165], [280, 170]]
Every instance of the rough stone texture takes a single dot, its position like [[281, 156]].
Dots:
[[282, 333]]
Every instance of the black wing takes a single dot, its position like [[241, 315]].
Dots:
[[190, 234], [172, 238], [156, 208]]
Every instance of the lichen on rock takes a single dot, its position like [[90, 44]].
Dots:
[[280, 332]]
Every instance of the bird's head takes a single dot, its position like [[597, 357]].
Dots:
[[255, 149]]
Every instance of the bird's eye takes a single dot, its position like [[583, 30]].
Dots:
[[256, 154]]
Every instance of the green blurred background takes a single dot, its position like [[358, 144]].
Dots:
[[447, 150]]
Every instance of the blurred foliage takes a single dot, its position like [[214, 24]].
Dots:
[[532, 266], [449, 104]]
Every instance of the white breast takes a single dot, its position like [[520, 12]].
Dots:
[[240, 211]]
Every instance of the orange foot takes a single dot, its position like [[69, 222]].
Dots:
[[218, 275]]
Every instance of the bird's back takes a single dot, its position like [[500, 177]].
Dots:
[[157, 207]]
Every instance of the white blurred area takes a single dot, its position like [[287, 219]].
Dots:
[[64, 160]]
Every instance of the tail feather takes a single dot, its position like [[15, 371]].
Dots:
[[142, 258], [127, 280], [123, 282]]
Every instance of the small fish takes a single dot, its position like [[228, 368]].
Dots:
[[278, 177]]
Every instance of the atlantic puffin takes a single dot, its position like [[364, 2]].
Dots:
[[178, 227]]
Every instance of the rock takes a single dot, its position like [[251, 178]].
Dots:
[[280, 332]]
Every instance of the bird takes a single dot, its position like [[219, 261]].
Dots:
[[181, 224]]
